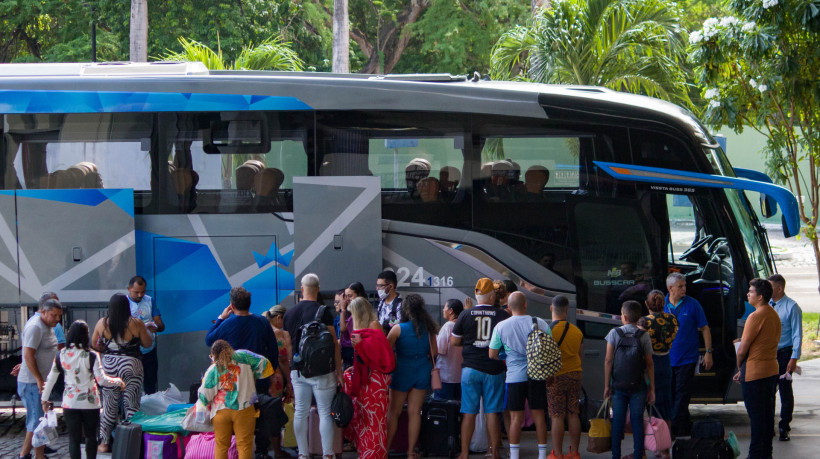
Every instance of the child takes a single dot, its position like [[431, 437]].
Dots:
[[81, 401], [628, 362]]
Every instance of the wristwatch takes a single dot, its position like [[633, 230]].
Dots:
[[709, 351]]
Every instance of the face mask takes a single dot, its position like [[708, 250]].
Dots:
[[382, 293]]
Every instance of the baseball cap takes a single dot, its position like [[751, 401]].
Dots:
[[484, 286]]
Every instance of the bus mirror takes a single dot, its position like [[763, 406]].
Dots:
[[242, 136], [768, 206]]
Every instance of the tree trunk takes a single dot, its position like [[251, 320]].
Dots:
[[341, 37], [538, 4], [139, 31]]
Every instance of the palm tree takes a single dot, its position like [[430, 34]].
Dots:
[[272, 54], [634, 46]]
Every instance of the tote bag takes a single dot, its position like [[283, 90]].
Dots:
[[656, 432], [600, 431]]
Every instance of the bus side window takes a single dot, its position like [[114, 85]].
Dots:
[[215, 175], [80, 151]]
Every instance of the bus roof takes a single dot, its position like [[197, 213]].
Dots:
[[328, 91]]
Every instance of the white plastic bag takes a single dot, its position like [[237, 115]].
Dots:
[[478, 444], [157, 403], [197, 422], [45, 432]]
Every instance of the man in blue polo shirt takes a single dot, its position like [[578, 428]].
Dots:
[[685, 351]]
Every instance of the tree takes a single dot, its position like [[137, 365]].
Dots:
[[272, 54], [341, 37], [139, 31], [626, 45], [759, 69]]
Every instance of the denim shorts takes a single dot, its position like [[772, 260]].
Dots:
[[30, 396], [476, 385]]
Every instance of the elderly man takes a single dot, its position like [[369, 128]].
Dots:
[[788, 349], [685, 352], [39, 350]]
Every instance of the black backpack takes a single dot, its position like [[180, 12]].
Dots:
[[630, 363], [316, 354]]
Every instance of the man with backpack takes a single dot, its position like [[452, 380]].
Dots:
[[512, 335], [316, 368], [626, 367], [251, 332]]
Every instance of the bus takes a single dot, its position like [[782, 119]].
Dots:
[[202, 180]]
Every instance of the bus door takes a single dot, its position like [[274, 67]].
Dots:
[[337, 231], [698, 250], [77, 243]]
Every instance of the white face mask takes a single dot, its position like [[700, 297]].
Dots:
[[382, 293]]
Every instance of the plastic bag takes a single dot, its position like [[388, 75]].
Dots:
[[193, 423], [478, 443], [157, 403], [46, 431]]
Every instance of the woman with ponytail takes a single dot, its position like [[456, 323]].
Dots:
[[227, 396]]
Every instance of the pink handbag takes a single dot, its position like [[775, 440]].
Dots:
[[202, 446], [656, 432]]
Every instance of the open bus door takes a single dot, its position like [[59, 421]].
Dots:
[[78, 243]]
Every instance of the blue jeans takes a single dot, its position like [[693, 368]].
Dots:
[[635, 404], [30, 396], [759, 398]]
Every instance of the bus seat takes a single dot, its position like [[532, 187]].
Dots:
[[535, 179], [185, 181], [266, 187], [449, 177], [429, 188], [416, 170], [246, 173]]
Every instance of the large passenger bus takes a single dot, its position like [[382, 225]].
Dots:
[[202, 180]]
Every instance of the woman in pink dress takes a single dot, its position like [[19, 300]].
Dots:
[[368, 382]]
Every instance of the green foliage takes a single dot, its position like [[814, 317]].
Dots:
[[272, 54], [635, 46], [457, 36], [759, 69]]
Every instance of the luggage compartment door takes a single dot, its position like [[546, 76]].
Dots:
[[337, 230]]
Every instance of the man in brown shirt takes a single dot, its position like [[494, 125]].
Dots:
[[757, 361]]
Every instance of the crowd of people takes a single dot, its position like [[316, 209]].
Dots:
[[389, 356]]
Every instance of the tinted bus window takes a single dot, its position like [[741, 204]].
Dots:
[[80, 151], [421, 168], [231, 162]]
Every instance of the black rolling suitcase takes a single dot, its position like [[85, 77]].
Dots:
[[440, 428], [702, 448], [127, 441]]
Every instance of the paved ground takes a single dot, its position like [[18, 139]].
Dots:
[[795, 261], [805, 441]]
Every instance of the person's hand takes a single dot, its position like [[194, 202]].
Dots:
[[339, 379], [287, 397], [736, 377], [40, 384], [791, 366], [355, 338], [607, 392], [468, 303], [151, 326], [226, 312], [736, 341], [122, 385], [47, 406], [16, 370], [650, 396], [345, 304], [707, 361]]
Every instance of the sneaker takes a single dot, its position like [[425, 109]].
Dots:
[[572, 454], [49, 450], [555, 456]]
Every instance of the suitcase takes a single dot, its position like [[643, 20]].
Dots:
[[398, 447], [440, 428], [315, 439], [708, 428], [702, 448], [127, 441]]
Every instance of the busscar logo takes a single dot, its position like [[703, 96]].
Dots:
[[613, 275]]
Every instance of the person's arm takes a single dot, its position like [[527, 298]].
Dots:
[[458, 331], [215, 333], [160, 324], [102, 378], [797, 337], [53, 375], [433, 348], [394, 334], [608, 360], [142, 332], [707, 341], [750, 329], [495, 345], [31, 362], [343, 318]]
